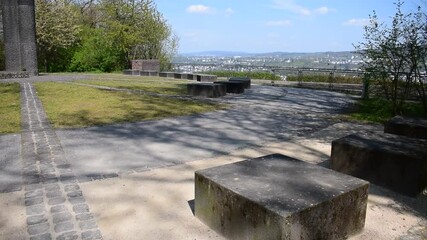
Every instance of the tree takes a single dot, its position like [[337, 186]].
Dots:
[[395, 56], [57, 33]]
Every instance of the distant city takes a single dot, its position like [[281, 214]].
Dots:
[[243, 62]]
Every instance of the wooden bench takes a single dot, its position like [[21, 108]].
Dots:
[[278, 197]]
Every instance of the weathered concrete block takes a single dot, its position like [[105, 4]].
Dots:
[[206, 90], [177, 75], [233, 87], [278, 197], [246, 81], [167, 74], [206, 78], [149, 73], [392, 161], [191, 76], [131, 72], [184, 76], [410, 127]]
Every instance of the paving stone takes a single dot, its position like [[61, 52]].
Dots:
[[68, 236], [33, 201], [50, 180], [54, 194], [33, 220], [110, 175], [56, 201], [75, 194], [76, 200], [63, 227], [52, 187], [84, 216], [33, 194], [86, 225], [58, 208], [45, 236], [61, 217], [38, 229], [68, 179], [71, 188], [96, 234], [35, 209], [82, 208]]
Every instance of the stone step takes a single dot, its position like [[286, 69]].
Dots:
[[278, 197], [396, 162]]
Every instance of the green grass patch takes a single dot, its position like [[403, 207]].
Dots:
[[148, 84], [71, 106], [380, 110], [10, 108]]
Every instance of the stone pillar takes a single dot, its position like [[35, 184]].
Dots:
[[20, 35], [11, 35], [27, 34]]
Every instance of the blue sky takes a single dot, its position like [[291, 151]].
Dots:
[[272, 25]]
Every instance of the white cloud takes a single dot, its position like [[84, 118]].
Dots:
[[291, 5], [323, 10], [356, 22], [199, 9], [229, 11], [279, 23]]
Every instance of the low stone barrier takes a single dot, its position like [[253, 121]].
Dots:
[[167, 74], [206, 90], [246, 81], [395, 162], [9, 75], [191, 76], [410, 127], [149, 73], [233, 87], [278, 197], [132, 72]]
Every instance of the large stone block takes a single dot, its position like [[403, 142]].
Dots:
[[152, 65], [167, 74], [246, 81], [131, 72], [191, 76], [206, 78], [392, 161], [149, 73], [278, 197], [233, 87], [410, 127], [206, 90]]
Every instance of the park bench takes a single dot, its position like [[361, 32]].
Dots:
[[278, 197]]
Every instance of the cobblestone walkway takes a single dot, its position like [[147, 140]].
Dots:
[[55, 206]]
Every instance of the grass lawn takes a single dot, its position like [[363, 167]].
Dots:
[[10, 108], [379, 110], [70, 106], [148, 84]]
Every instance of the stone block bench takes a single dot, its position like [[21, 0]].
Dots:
[[206, 90], [246, 81], [167, 74], [233, 87], [410, 127], [131, 72], [205, 78], [278, 197], [395, 162], [149, 73]]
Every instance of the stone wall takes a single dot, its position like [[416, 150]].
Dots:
[[146, 65]]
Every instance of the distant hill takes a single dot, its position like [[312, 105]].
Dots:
[[267, 54]]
